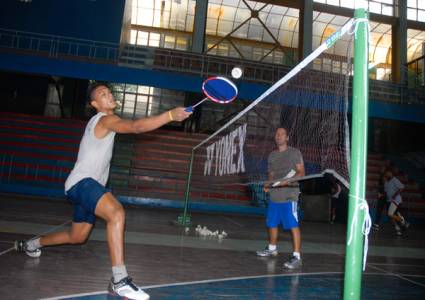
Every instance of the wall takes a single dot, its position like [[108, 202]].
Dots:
[[392, 136], [99, 20], [169, 80], [23, 93]]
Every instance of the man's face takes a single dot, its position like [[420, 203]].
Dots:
[[102, 99], [388, 175], [281, 137]]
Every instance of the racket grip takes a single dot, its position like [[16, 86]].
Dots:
[[189, 109]]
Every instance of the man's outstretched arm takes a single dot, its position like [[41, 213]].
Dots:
[[114, 123]]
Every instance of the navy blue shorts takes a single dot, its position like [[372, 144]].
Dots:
[[282, 213], [85, 195]]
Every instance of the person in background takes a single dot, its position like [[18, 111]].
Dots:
[[335, 192], [393, 188]]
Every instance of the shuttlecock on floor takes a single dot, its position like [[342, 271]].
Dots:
[[203, 231]]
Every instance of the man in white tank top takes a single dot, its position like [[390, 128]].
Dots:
[[85, 187]]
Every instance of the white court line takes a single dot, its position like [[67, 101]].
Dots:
[[399, 265], [208, 281], [417, 276], [398, 275], [234, 222], [7, 250], [7, 242], [38, 235]]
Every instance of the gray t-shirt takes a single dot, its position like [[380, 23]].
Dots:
[[281, 164]]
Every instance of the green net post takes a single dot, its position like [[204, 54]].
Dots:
[[355, 238], [184, 218]]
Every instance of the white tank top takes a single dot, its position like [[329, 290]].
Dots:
[[94, 156]]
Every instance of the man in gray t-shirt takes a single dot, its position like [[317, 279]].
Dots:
[[284, 163]]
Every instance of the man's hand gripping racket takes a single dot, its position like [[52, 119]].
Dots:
[[289, 178]]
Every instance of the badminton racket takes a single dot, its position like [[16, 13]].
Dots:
[[217, 89], [289, 179]]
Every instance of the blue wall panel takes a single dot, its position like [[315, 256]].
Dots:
[[99, 20], [171, 80]]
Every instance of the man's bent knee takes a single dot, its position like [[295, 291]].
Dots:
[[109, 209], [118, 215], [77, 239]]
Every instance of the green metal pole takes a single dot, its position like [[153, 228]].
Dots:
[[355, 238], [184, 219]]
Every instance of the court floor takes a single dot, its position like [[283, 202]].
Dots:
[[173, 263]]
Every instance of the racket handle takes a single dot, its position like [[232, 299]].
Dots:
[[190, 108]]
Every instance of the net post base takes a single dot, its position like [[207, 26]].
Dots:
[[183, 220]]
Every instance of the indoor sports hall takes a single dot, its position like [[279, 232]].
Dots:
[[212, 149]]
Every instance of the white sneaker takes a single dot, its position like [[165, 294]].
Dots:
[[293, 263], [266, 252], [127, 289], [406, 225], [21, 246]]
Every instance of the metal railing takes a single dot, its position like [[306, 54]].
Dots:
[[203, 64], [58, 46], [266, 73], [188, 62], [416, 72]]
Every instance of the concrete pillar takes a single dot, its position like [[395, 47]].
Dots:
[[305, 37], [199, 26], [399, 45], [422, 64]]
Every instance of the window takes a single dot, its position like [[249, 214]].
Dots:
[[138, 101], [416, 10], [382, 7]]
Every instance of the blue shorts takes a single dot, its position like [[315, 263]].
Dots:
[[85, 195], [285, 213]]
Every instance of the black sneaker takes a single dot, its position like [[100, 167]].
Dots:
[[21, 246], [127, 289]]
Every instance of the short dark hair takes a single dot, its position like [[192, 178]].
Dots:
[[283, 127], [92, 88]]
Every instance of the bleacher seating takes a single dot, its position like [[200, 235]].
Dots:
[[413, 196], [417, 159], [37, 154], [155, 165]]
